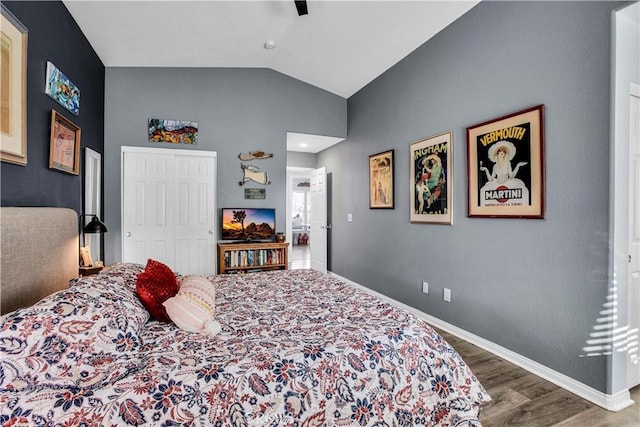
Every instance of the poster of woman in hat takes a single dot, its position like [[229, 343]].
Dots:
[[502, 175], [505, 166]]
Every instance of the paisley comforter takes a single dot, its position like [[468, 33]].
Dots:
[[297, 348]]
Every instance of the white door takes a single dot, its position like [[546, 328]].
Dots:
[[318, 238], [633, 368], [194, 215], [168, 208], [147, 198]]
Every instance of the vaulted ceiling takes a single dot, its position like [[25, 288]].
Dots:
[[339, 46]]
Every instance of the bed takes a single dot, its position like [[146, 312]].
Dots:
[[296, 348]]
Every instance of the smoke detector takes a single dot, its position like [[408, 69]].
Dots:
[[270, 44]]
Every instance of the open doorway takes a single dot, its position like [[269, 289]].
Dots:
[[300, 222], [302, 152], [299, 216]]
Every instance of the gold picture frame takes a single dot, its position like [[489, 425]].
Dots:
[[381, 174], [64, 145], [505, 166], [13, 90], [431, 171]]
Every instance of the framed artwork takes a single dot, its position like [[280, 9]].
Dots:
[[64, 145], [173, 131], [61, 89], [381, 173], [505, 162], [432, 179], [13, 90]]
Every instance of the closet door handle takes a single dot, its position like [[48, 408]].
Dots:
[[128, 234]]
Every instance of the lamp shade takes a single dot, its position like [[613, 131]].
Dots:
[[95, 226]]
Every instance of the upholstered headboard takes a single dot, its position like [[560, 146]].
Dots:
[[38, 256]]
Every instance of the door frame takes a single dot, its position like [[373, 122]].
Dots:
[[623, 72], [632, 303], [92, 199]]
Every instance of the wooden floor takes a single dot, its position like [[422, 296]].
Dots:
[[299, 257], [520, 398]]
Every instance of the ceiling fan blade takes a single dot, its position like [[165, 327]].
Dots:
[[301, 5]]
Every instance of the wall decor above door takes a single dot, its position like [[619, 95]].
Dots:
[[173, 131]]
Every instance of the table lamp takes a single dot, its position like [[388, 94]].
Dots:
[[94, 226]]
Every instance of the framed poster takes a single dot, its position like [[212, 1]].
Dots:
[[505, 162], [431, 179], [13, 89], [64, 145], [381, 180]]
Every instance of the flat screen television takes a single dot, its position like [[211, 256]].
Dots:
[[248, 224]]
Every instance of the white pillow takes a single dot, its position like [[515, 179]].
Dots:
[[194, 306]]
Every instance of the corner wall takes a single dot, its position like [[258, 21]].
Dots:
[[54, 36], [535, 287]]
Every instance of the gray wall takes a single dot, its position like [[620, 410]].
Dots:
[[301, 160], [533, 286], [238, 110]]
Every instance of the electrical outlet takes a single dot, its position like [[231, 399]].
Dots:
[[425, 288], [349, 217], [447, 295]]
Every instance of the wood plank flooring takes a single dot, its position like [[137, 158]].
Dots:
[[523, 399]]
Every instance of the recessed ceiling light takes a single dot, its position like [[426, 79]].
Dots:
[[303, 144], [270, 44]]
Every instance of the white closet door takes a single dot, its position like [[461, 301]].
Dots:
[[147, 208], [168, 208], [194, 215]]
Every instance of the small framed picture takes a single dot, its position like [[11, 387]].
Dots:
[[381, 172], [64, 145], [505, 165], [432, 179], [59, 87]]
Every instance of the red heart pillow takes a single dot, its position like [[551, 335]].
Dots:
[[156, 284]]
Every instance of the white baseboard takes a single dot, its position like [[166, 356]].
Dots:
[[611, 402]]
